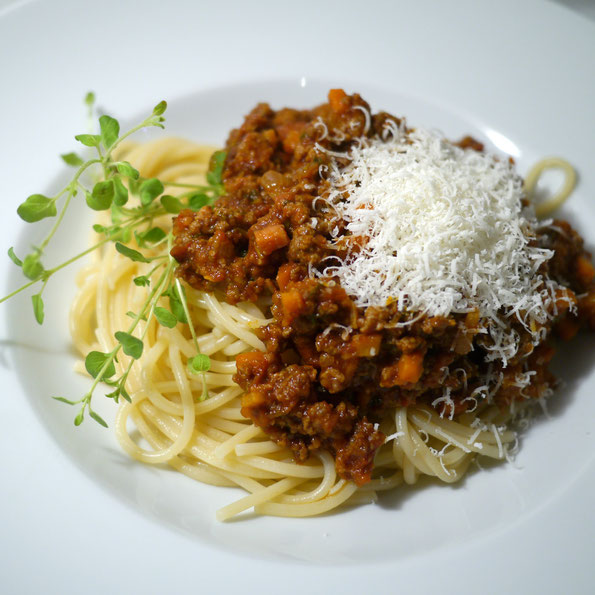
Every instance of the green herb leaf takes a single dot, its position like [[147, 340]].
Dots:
[[67, 401], [142, 281], [216, 168], [37, 207], [90, 99], [72, 159], [95, 361], [89, 140], [156, 121], [111, 192], [171, 204], [32, 268], [149, 190], [14, 257], [134, 186], [126, 235], [110, 130], [199, 363], [102, 196], [150, 236], [175, 304], [120, 192], [97, 418], [178, 310], [117, 214], [124, 393], [165, 317], [115, 395], [198, 201], [131, 345], [160, 108], [38, 307], [130, 253], [127, 170]]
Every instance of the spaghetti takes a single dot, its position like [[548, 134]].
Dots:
[[546, 208], [210, 440]]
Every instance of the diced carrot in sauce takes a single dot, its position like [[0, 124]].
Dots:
[[292, 140], [252, 367], [293, 304], [252, 360], [410, 368], [337, 100], [290, 134], [366, 345], [284, 275], [270, 238], [584, 269]]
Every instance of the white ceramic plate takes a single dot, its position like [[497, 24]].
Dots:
[[77, 516]]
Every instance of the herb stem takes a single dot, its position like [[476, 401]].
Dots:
[[187, 313], [17, 291], [143, 124], [80, 255], [54, 229], [108, 361], [70, 189], [107, 186], [148, 302], [48, 273]]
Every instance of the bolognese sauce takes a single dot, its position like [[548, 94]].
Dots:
[[332, 369]]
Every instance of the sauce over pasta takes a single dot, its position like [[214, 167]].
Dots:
[[337, 360]]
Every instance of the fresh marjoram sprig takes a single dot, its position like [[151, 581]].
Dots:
[[116, 181]]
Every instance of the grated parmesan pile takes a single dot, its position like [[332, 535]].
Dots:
[[444, 232]]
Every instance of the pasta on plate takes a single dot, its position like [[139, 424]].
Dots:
[[376, 304]]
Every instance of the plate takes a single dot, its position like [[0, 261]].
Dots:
[[93, 520]]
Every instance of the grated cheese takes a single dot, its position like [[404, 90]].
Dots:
[[444, 232]]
